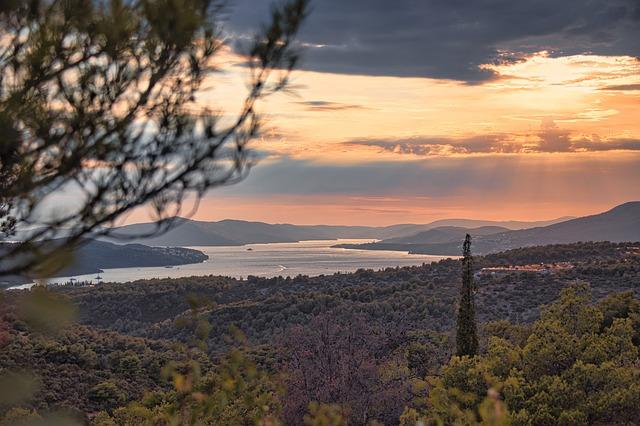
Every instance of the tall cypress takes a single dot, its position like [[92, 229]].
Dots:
[[467, 334]]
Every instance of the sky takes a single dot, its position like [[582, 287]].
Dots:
[[416, 110]]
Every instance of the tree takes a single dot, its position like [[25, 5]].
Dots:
[[108, 393], [576, 367], [345, 365], [102, 98], [233, 392], [467, 333]]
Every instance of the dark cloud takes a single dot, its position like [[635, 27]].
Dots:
[[623, 87], [329, 106], [449, 39], [614, 145], [435, 177], [290, 176]]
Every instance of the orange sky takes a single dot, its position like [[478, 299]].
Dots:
[[552, 136]]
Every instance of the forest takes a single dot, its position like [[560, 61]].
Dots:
[[115, 110], [558, 346]]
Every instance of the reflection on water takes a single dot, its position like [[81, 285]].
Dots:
[[269, 260]]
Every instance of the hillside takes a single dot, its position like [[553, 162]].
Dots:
[[261, 306], [127, 332], [446, 234], [408, 230], [99, 254], [94, 256], [622, 223]]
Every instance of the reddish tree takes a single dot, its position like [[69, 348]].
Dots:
[[345, 362]]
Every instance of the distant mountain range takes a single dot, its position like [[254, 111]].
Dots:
[[620, 224], [446, 234], [444, 237], [94, 256], [238, 232]]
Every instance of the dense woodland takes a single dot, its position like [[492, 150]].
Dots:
[[107, 96], [557, 347]]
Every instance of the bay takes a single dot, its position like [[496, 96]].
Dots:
[[268, 260]]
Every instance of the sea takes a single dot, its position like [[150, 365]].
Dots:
[[310, 258]]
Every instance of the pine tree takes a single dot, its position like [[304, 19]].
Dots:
[[467, 334]]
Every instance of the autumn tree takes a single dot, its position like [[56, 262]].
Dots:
[[467, 333], [347, 364]]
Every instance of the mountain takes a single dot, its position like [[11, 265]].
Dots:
[[93, 256], [102, 255], [620, 224], [407, 230], [238, 232], [446, 234]]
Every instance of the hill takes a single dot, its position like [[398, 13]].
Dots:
[[407, 230], [99, 254], [93, 256], [127, 333], [622, 223], [422, 295], [446, 234]]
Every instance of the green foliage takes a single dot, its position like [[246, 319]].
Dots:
[[236, 391], [570, 361], [106, 393], [450, 406], [622, 305], [16, 387], [64, 367], [467, 333], [574, 311], [20, 417], [46, 311], [325, 415], [421, 298], [574, 368]]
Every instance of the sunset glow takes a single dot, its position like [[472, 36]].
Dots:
[[532, 136]]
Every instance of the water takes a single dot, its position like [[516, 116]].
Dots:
[[269, 260]]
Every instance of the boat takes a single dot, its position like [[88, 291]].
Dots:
[[249, 249]]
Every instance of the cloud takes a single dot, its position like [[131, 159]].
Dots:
[[329, 106], [451, 39], [553, 139], [550, 139], [417, 191], [441, 146], [623, 87], [596, 145], [372, 183], [296, 177]]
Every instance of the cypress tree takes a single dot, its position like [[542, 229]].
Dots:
[[467, 334]]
